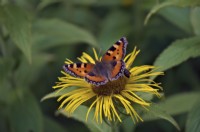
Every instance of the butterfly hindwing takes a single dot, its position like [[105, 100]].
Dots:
[[117, 51], [117, 70], [96, 79], [78, 69]]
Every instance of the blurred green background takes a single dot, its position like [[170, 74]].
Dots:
[[36, 36]]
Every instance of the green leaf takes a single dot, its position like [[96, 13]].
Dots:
[[80, 115], [98, 2], [5, 88], [178, 52], [184, 101], [128, 125], [48, 33], [57, 93], [195, 20], [178, 16], [145, 96], [92, 2], [193, 121], [45, 3], [156, 112], [24, 70], [114, 28], [6, 66], [155, 9], [180, 3], [25, 114], [18, 25], [186, 3], [3, 123], [52, 126]]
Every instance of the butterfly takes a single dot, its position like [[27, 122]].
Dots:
[[109, 68]]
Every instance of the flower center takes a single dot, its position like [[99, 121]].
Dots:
[[111, 87]]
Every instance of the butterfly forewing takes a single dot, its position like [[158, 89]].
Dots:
[[78, 69], [117, 51]]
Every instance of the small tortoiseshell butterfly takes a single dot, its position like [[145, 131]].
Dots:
[[110, 68]]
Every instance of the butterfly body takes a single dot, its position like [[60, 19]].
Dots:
[[103, 69], [110, 68]]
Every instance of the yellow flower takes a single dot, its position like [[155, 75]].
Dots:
[[108, 100]]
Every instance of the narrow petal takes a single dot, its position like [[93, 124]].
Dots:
[[132, 57], [88, 57], [68, 61], [82, 59], [95, 54], [91, 106]]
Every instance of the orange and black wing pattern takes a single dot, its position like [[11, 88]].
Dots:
[[118, 69], [78, 69], [96, 79], [117, 51]]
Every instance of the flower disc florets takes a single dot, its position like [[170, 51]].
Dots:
[[111, 87]]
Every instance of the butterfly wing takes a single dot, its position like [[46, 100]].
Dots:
[[117, 70], [117, 51], [96, 79], [84, 70], [78, 69]]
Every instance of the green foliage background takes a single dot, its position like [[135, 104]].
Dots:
[[37, 35]]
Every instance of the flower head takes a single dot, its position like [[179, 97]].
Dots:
[[114, 97]]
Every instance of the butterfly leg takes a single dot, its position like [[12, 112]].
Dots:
[[127, 73]]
